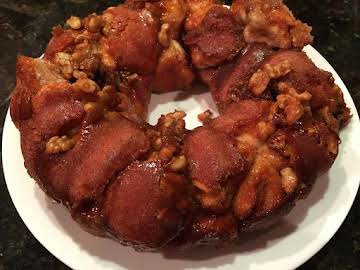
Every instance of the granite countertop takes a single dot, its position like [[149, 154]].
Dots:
[[25, 27]]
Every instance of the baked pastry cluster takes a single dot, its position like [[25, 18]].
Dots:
[[82, 110]]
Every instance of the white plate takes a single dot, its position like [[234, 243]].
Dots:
[[285, 246]]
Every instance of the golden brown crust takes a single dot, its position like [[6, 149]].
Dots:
[[140, 208], [228, 82], [215, 167], [81, 114], [173, 71], [54, 112], [216, 39], [122, 142], [138, 30]]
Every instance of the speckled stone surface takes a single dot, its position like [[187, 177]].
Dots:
[[25, 27]]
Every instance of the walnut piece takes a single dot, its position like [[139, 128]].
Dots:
[[74, 22], [261, 78], [58, 144], [289, 180]]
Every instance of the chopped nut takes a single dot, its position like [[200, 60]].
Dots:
[[168, 122], [74, 22], [80, 38], [107, 17], [293, 103], [90, 107], [178, 163], [79, 74], [106, 93], [180, 124], [86, 85], [249, 139], [205, 117], [108, 88], [62, 58], [108, 61], [147, 16], [214, 201], [77, 56], [64, 61], [292, 108], [265, 129], [329, 119], [247, 144], [279, 69], [171, 118], [261, 78], [285, 88], [58, 144], [107, 20], [258, 82], [200, 185], [178, 115], [163, 35], [157, 144], [289, 180], [111, 115], [95, 24], [103, 96], [132, 78], [167, 152]]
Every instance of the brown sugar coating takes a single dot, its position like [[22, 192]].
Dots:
[[138, 30], [81, 112], [122, 143], [217, 39], [229, 82], [140, 207], [215, 167]]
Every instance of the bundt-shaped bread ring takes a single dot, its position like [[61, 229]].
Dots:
[[82, 110]]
